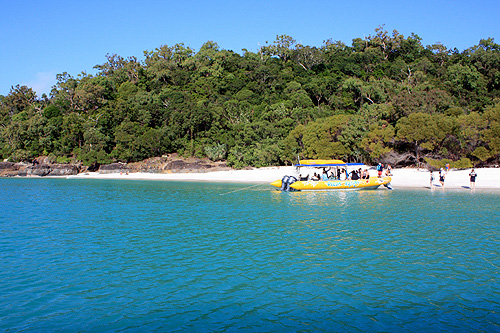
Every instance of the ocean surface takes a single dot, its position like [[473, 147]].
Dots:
[[133, 256]]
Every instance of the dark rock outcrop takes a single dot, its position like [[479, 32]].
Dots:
[[42, 167], [114, 168], [64, 170], [8, 166], [38, 170], [9, 169], [398, 160], [183, 166]]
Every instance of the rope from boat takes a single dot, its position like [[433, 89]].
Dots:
[[241, 189]]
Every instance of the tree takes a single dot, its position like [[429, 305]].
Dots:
[[120, 69], [307, 56], [282, 47], [481, 153], [469, 133], [379, 139], [440, 53], [19, 99], [321, 138], [63, 93], [266, 107], [485, 57], [426, 100], [491, 134], [463, 79], [168, 65], [388, 45], [297, 96], [72, 133], [422, 130]]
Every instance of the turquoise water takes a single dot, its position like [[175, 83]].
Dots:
[[94, 255]]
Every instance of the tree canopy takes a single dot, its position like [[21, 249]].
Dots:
[[385, 97]]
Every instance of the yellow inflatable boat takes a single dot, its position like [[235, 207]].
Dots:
[[292, 183]]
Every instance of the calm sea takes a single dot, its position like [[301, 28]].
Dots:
[[95, 255]]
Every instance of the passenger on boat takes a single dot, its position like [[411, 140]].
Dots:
[[324, 176], [315, 177], [354, 175], [367, 174]]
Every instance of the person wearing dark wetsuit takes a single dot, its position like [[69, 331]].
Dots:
[[472, 176], [441, 177]]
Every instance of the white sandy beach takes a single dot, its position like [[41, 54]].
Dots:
[[487, 178]]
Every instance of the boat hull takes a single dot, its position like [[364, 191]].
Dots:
[[361, 184]]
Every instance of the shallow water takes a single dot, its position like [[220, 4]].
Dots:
[[181, 256]]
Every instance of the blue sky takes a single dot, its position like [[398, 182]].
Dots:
[[39, 39]]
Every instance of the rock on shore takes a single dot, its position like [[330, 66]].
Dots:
[[9, 169], [157, 165]]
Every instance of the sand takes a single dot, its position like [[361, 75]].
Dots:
[[487, 178]]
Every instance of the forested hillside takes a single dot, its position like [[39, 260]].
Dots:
[[384, 98]]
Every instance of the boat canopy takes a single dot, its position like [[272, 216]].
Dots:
[[324, 163]]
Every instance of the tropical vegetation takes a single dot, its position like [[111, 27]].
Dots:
[[385, 97]]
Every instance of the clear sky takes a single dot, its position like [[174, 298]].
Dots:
[[39, 39]]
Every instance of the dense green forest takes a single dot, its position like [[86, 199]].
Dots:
[[384, 98]]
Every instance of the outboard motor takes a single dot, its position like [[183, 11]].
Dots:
[[286, 181]]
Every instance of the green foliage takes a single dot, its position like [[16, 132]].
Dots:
[[93, 157], [463, 79], [127, 90], [20, 155], [63, 160], [378, 140], [216, 152], [51, 111], [383, 94], [437, 164], [491, 134], [52, 158], [463, 163], [322, 138], [239, 157], [481, 153]]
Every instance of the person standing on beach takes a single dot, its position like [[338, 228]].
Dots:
[[388, 171], [380, 169], [441, 177], [472, 176], [432, 180]]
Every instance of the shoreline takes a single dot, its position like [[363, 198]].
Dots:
[[488, 178]]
